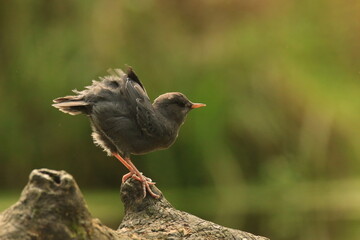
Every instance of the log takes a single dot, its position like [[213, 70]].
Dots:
[[52, 207]]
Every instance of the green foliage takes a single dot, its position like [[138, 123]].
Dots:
[[281, 84]]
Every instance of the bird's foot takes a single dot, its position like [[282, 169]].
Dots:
[[146, 186], [149, 180], [127, 176], [134, 176], [145, 181]]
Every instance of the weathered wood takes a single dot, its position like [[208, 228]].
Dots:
[[52, 207]]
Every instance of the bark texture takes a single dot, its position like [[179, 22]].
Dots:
[[52, 207]]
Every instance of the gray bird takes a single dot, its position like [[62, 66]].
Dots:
[[125, 122]]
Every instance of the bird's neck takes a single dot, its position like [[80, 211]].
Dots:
[[172, 121]]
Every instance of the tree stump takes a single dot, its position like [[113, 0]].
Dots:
[[51, 207]]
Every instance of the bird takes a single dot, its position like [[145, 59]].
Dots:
[[123, 120]]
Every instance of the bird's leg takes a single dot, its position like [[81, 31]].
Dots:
[[128, 166], [136, 174], [132, 172], [146, 182]]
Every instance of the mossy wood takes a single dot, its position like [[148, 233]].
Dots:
[[52, 207]]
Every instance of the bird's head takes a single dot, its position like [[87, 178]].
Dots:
[[175, 106]]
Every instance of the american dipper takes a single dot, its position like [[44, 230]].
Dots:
[[124, 121]]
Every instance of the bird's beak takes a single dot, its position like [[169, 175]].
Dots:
[[197, 105]]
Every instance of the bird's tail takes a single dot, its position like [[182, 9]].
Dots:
[[72, 105]]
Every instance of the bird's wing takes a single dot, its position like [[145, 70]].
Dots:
[[140, 103]]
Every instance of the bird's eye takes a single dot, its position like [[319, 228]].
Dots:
[[181, 104]]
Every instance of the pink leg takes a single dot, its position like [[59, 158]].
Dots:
[[146, 182], [123, 161], [136, 174], [132, 171]]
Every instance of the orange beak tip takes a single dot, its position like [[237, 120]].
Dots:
[[197, 105]]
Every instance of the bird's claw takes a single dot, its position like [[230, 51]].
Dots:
[[131, 175], [127, 176], [146, 186], [145, 181]]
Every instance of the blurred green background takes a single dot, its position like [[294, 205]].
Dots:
[[275, 152]]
